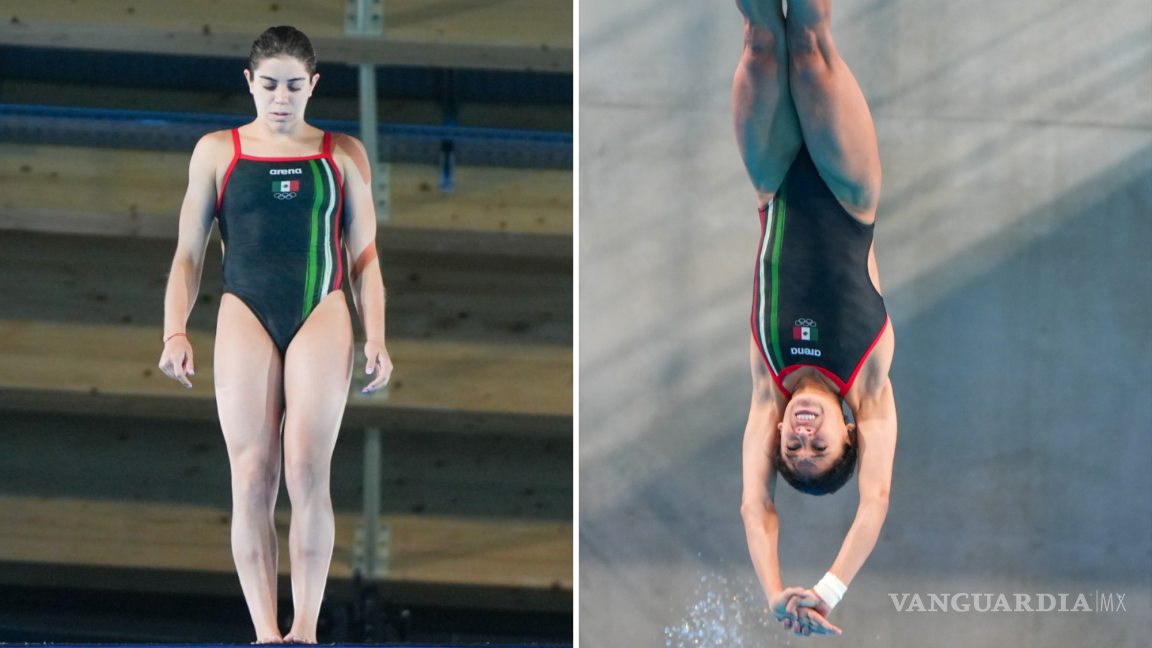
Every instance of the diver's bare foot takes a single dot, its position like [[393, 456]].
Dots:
[[298, 639], [268, 640]]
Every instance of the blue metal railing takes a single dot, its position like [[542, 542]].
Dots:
[[175, 131]]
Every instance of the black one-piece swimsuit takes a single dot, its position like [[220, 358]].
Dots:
[[813, 302], [280, 222]]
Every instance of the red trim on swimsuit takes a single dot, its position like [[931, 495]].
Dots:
[[235, 157], [844, 387], [297, 158], [339, 207], [790, 369], [756, 289], [325, 154], [301, 158], [852, 378], [779, 380]]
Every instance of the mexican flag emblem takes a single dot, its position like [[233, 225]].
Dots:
[[283, 186], [807, 333]]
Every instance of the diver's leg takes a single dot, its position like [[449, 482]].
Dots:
[[767, 131], [249, 378], [317, 371], [833, 114]]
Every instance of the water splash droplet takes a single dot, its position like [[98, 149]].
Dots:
[[728, 613]]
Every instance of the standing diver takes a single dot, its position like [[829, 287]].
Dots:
[[293, 203]]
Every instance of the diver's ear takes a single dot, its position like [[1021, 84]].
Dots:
[[780, 426], [851, 427]]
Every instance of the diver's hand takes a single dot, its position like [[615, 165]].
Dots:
[[379, 363], [781, 603], [810, 622], [176, 360], [806, 613]]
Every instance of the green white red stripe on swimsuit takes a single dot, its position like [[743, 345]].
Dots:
[[766, 329], [318, 278]]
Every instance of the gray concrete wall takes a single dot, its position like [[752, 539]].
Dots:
[[1014, 240]]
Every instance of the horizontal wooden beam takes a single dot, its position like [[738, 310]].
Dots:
[[166, 548], [390, 237], [437, 386], [131, 193], [182, 581], [354, 50]]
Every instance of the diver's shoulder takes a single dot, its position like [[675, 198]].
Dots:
[[214, 145]]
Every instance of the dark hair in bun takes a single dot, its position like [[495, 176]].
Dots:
[[283, 41]]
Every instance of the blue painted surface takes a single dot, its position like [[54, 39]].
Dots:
[[201, 73], [167, 131]]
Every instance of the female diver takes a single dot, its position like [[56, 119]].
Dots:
[[821, 338], [294, 205]]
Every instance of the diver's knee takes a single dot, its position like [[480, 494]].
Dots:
[[305, 478], [762, 12], [764, 51], [252, 488], [809, 53]]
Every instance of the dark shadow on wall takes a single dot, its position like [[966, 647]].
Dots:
[[1025, 423]]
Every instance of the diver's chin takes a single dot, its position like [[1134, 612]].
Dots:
[[280, 121], [807, 403]]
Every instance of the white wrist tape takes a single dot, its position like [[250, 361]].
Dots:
[[830, 589]]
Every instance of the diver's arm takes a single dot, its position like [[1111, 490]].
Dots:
[[761, 524], [757, 506], [360, 240], [364, 267], [195, 228], [876, 436]]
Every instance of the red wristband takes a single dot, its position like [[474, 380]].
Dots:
[[174, 335]]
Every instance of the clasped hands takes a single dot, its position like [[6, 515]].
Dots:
[[802, 611]]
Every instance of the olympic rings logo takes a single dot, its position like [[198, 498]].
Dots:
[[285, 195], [805, 322]]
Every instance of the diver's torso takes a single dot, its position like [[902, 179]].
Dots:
[[280, 222], [815, 301]]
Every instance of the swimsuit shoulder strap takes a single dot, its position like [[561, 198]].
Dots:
[[231, 165], [327, 143]]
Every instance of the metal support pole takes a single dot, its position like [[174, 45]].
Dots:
[[381, 171], [448, 147], [366, 18], [371, 544], [372, 538]]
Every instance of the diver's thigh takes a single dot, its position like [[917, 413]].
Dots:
[[834, 116], [317, 372], [249, 380], [767, 129]]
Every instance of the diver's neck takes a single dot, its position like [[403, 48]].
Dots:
[[809, 380], [285, 133]]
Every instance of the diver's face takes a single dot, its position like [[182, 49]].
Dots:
[[281, 89], [812, 433]]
